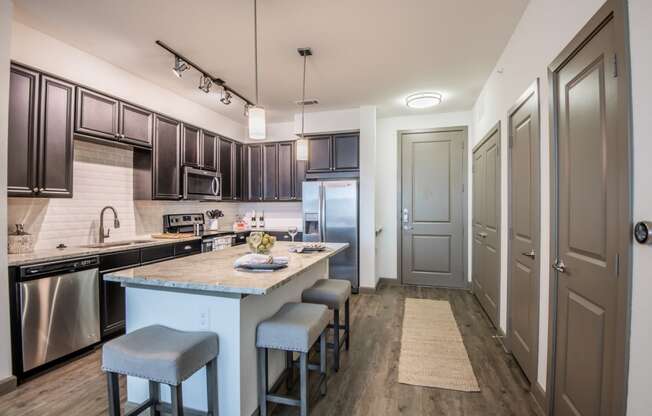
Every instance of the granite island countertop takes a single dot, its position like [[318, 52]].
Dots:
[[214, 272]]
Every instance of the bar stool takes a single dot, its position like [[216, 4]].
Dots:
[[294, 328], [333, 293], [161, 355]]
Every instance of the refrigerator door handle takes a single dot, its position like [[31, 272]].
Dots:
[[322, 213]]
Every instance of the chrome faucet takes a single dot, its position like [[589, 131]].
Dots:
[[116, 223]]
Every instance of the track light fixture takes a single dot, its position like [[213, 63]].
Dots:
[[205, 83], [226, 97], [179, 66]]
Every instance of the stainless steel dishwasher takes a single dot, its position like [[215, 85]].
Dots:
[[59, 309]]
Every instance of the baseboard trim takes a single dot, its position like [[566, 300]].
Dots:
[[8, 385], [539, 396], [388, 282]]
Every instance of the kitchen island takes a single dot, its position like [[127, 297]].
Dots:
[[205, 293]]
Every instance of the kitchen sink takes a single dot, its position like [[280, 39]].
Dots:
[[117, 244]]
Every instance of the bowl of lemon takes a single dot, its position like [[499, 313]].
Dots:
[[260, 242]]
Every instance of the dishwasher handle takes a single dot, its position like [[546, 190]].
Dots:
[[36, 271]]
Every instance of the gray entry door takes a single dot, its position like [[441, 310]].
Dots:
[[432, 196], [486, 223], [523, 289], [590, 145]]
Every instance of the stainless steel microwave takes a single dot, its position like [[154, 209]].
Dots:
[[201, 185]]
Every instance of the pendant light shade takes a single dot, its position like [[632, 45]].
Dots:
[[257, 127], [302, 149]]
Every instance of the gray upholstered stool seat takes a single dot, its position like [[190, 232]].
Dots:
[[329, 292], [159, 353], [333, 293], [295, 327]]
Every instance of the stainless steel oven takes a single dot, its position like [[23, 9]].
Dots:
[[201, 185]]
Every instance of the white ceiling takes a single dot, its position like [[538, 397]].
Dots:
[[366, 52]]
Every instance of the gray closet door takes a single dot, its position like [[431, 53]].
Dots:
[[486, 223], [590, 148], [432, 210], [523, 290]]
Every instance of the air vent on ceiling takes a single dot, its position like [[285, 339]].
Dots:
[[311, 101]]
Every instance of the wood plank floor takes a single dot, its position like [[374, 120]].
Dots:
[[365, 385]]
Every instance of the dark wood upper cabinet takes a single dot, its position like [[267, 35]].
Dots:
[[190, 145], [346, 152], [270, 172], [300, 176], [255, 177], [23, 132], [208, 150], [166, 175], [225, 167], [286, 167], [97, 115], [56, 138], [320, 154], [238, 171], [136, 125]]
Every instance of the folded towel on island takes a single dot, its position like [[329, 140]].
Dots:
[[249, 259]]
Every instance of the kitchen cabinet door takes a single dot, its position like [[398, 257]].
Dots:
[[55, 159], [300, 176], [23, 132], [238, 171], [166, 159], [319, 154], [226, 157], [286, 164], [208, 150], [255, 162], [136, 125], [345, 152], [97, 115], [270, 172], [190, 146]]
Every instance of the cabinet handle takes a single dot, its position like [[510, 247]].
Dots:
[[187, 247], [35, 189], [41, 189]]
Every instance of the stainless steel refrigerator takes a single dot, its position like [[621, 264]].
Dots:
[[330, 214]]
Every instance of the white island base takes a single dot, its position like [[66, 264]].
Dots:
[[234, 318]]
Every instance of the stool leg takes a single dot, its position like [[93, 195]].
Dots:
[[262, 381], [336, 339], [290, 370], [347, 326], [304, 383], [155, 395], [212, 386], [177, 400], [322, 362], [113, 385]]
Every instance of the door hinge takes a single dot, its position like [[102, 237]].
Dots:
[[511, 141], [617, 265], [511, 233], [615, 65], [462, 188]]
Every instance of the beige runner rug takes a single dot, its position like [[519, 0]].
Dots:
[[432, 351]]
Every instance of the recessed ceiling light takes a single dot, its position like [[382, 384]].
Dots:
[[423, 99]]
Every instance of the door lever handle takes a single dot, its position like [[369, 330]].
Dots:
[[483, 235], [559, 266], [531, 254]]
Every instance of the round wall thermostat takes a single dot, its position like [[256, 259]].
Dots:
[[643, 232]]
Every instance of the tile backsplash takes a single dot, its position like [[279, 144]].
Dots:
[[103, 176]]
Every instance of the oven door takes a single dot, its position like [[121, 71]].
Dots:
[[201, 185]]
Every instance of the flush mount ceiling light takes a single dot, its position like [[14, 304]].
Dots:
[[179, 66], [205, 84], [302, 143], [257, 128], [423, 99]]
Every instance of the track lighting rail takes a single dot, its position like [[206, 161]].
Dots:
[[217, 81]]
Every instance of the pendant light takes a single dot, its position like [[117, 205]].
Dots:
[[257, 128], [302, 143]]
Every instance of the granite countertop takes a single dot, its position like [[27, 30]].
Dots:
[[54, 254], [214, 272]]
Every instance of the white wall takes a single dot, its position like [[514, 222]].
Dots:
[[640, 15], [533, 45], [386, 179], [328, 121], [367, 120], [31, 47], [6, 11]]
